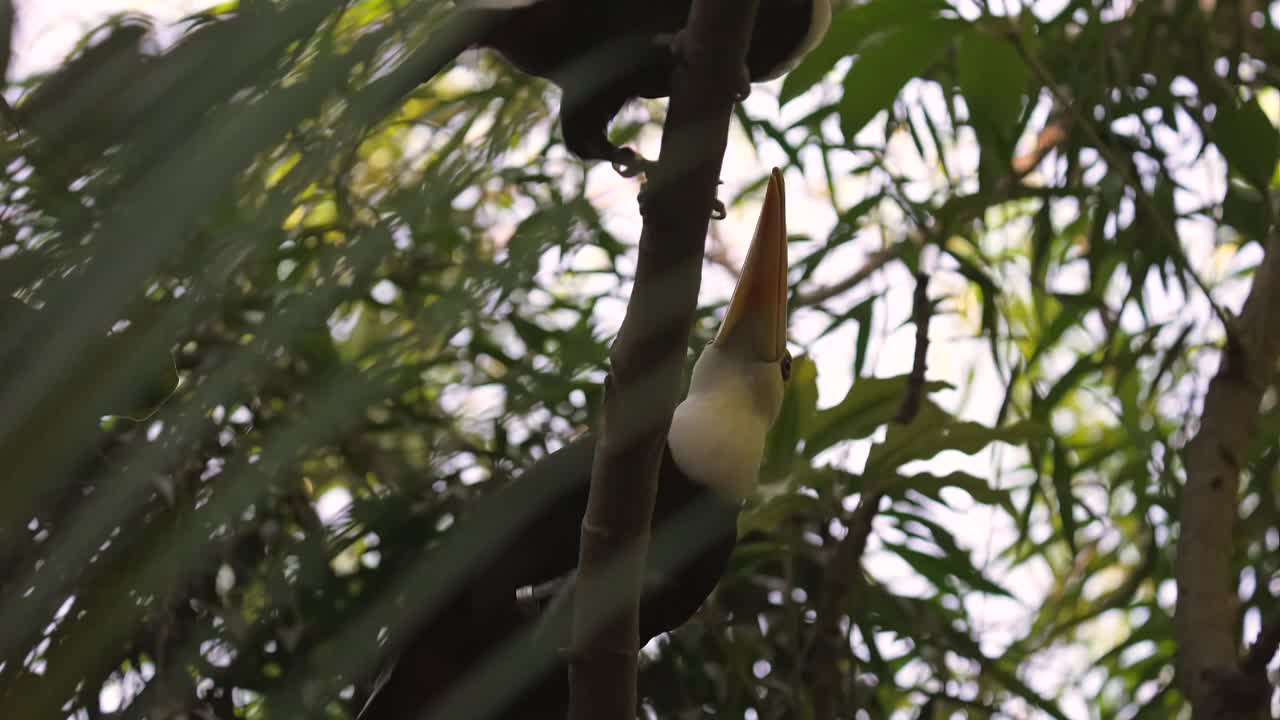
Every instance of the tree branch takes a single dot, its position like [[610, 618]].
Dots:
[[841, 576], [1051, 136], [921, 314], [647, 359], [1210, 670]]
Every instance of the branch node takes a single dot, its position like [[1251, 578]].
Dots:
[[599, 532]]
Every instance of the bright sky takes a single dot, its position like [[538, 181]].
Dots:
[[47, 29]]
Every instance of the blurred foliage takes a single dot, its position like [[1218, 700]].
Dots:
[[242, 284]]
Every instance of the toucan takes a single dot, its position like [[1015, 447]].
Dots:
[[603, 53], [711, 464]]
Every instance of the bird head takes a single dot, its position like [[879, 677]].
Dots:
[[735, 394]]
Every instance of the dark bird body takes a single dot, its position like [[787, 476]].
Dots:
[[711, 463], [478, 621], [604, 53]]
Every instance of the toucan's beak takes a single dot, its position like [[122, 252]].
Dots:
[[756, 323]]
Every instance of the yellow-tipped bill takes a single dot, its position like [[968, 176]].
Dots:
[[756, 322]]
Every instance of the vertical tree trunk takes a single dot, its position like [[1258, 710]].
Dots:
[[648, 357]]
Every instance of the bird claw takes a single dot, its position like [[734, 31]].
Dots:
[[718, 211], [627, 170], [628, 163]]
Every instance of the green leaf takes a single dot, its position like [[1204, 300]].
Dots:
[[920, 527], [862, 314], [941, 570], [848, 31], [799, 406], [1102, 257], [768, 515], [934, 431], [884, 65], [1041, 247], [1071, 309], [990, 292], [870, 403], [1062, 476], [1245, 210], [748, 554], [930, 486], [1072, 379], [1248, 140], [993, 78]]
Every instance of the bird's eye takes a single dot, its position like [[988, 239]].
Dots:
[[786, 365]]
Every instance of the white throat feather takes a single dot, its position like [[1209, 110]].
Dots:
[[718, 433]]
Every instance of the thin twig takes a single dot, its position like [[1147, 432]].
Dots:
[[1051, 136], [819, 295], [921, 313]]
